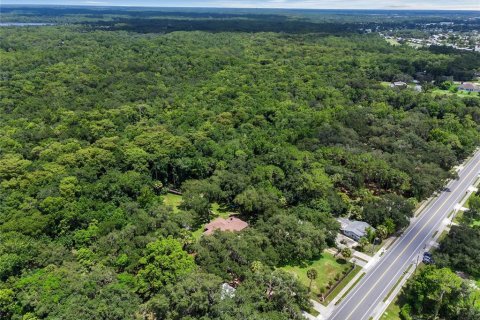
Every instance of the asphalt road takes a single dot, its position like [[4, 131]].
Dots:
[[362, 300]]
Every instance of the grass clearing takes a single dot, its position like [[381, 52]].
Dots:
[[461, 93], [172, 200], [458, 217], [342, 285], [393, 42], [386, 84], [313, 312], [442, 236], [414, 45], [392, 312], [327, 267]]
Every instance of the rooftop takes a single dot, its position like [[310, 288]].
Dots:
[[468, 85], [357, 227], [398, 84], [229, 224]]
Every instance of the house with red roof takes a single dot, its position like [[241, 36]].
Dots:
[[229, 224]]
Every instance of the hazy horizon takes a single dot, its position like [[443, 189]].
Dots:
[[470, 5]]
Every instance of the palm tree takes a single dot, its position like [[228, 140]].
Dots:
[[382, 232], [363, 242], [346, 252], [312, 275]]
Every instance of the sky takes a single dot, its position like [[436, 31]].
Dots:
[[288, 4]]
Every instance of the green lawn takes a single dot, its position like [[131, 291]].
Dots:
[[442, 236], [327, 267], [414, 45], [458, 217], [392, 312], [218, 211], [386, 84], [342, 285], [172, 200], [438, 91], [393, 42]]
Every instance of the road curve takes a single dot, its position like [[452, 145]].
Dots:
[[361, 302]]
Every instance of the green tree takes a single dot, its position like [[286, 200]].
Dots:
[[231, 255], [434, 292], [194, 296], [370, 234], [312, 275], [7, 303], [164, 262], [293, 239], [12, 165], [363, 242], [382, 232], [474, 202], [346, 253], [390, 225], [395, 207], [256, 266], [270, 294], [198, 196]]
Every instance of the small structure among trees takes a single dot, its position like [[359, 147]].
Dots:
[[469, 87], [354, 229], [398, 84], [229, 224]]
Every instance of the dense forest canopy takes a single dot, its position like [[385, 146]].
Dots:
[[289, 130]]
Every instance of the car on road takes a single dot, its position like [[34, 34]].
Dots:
[[427, 259]]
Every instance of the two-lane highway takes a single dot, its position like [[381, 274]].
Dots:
[[361, 302]]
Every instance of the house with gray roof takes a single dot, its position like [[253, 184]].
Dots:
[[398, 84], [469, 87], [353, 229]]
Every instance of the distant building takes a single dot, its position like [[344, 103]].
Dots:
[[229, 224], [398, 84], [470, 87], [353, 229]]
